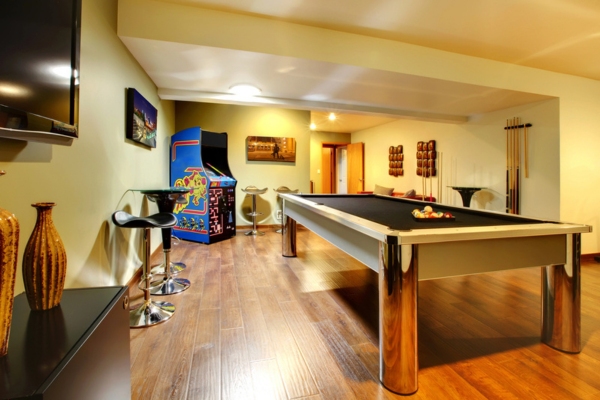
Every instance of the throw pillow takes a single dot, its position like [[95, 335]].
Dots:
[[383, 190]]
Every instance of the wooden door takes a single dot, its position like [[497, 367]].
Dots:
[[356, 169], [328, 170]]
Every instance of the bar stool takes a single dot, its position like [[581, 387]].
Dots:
[[165, 199], [283, 190], [149, 312], [168, 285], [254, 191]]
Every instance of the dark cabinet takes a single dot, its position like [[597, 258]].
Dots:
[[78, 350]]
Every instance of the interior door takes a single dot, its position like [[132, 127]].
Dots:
[[356, 167], [341, 158], [327, 178]]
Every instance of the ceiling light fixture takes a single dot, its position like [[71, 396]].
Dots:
[[244, 89], [331, 116], [313, 126]]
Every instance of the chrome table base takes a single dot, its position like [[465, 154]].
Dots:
[[398, 292], [561, 300]]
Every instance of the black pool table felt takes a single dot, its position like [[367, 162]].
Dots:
[[397, 213]]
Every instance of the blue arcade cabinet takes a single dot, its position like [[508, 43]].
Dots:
[[199, 162]]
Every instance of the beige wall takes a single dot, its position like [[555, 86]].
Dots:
[[90, 179], [316, 144], [473, 154], [240, 122], [579, 97]]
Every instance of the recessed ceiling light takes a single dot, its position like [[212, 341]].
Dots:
[[313, 126], [244, 89], [331, 116]]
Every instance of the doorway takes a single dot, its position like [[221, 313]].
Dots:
[[343, 168]]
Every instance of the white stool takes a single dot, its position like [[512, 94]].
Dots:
[[254, 191]]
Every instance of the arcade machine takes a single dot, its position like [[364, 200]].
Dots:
[[199, 162]]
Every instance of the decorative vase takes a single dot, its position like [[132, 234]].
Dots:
[[9, 246], [44, 262]]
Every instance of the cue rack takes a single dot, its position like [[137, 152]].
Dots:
[[513, 162], [426, 168]]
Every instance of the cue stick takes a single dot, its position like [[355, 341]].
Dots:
[[431, 183], [507, 171], [526, 151], [424, 195], [510, 166], [518, 174], [514, 167], [422, 181], [441, 181]]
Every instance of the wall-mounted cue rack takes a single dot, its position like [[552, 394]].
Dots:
[[513, 162], [426, 166]]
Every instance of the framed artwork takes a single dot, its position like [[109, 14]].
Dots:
[[267, 148], [141, 119]]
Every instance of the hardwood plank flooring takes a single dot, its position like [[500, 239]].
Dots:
[[256, 325]]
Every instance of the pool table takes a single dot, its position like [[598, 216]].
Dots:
[[381, 232]]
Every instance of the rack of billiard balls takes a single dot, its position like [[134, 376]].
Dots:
[[429, 213]]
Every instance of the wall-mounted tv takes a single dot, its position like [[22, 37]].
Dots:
[[39, 71]]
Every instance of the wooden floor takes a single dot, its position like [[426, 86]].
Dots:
[[256, 325]]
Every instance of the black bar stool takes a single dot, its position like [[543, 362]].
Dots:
[[165, 200], [168, 284], [254, 191], [149, 312]]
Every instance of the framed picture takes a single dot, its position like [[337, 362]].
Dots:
[[267, 148], [141, 119]]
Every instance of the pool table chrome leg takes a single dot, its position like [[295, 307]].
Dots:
[[398, 278], [288, 241], [561, 300]]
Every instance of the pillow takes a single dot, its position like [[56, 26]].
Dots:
[[410, 193], [383, 190]]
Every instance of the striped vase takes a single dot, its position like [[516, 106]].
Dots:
[[9, 246], [44, 262]]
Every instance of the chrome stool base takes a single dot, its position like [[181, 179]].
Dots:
[[176, 267], [169, 286], [254, 233], [150, 313]]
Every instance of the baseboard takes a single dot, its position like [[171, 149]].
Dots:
[[593, 257], [249, 227]]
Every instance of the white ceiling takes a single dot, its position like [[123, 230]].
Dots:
[[555, 35]]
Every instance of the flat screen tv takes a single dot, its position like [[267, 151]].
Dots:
[[39, 71]]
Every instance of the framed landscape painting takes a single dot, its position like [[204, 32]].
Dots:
[[141, 119]]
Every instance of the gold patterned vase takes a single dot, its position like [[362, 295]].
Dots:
[[44, 262], [9, 246]]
